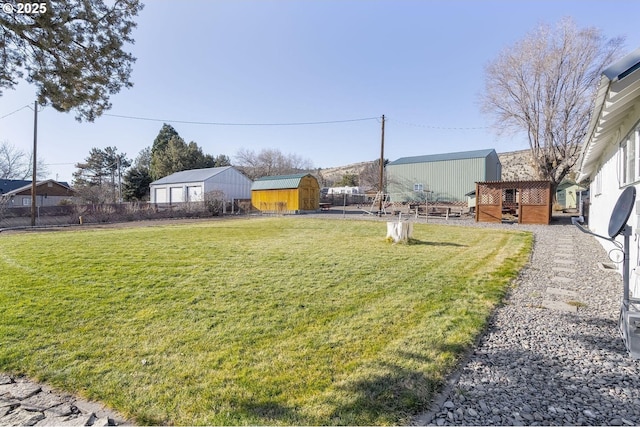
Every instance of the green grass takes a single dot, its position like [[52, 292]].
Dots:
[[264, 321]]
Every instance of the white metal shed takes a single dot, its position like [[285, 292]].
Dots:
[[192, 185]]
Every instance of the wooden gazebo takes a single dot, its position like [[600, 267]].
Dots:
[[528, 201]]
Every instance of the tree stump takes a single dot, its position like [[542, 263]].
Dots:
[[399, 231]]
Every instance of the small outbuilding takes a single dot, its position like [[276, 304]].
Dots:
[[568, 195], [192, 185], [286, 194], [528, 201]]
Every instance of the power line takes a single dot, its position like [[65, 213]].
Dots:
[[441, 127], [13, 112], [241, 124], [151, 119]]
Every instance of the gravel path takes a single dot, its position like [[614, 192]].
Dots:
[[543, 361]]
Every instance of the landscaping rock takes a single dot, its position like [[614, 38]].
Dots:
[[564, 365], [22, 390], [21, 417], [26, 403]]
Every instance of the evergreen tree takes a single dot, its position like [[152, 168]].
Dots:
[[97, 179], [170, 153], [137, 179], [71, 50]]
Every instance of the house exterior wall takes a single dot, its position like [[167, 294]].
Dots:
[[605, 189], [47, 194], [447, 180], [610, 156], [19, 201]]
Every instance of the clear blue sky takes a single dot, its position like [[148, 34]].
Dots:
[[420, 63]]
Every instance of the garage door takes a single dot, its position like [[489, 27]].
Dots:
[[194, 194], [176, 195], [160, 195]]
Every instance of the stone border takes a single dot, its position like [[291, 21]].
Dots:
[[26, 403]]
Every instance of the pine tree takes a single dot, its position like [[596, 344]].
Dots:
[[71, 50]]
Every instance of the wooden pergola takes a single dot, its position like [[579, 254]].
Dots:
[[529, 201]]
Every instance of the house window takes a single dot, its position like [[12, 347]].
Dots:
[[631, 159], [418, 187], [597, 184], [635, 137]]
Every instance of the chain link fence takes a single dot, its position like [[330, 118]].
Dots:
[[20, 217]]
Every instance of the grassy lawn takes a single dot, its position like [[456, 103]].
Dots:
[[264, 321]]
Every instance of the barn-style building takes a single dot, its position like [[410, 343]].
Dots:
[[286, 194], [441, 177]]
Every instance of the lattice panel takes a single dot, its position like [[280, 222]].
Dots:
[[489, 196], [534, 196]]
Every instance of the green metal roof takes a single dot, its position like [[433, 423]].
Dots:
[[442, 157], [280, 182]]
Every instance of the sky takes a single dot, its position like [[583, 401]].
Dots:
[[245, 74]]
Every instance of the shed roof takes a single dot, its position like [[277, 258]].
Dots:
[[192, 175], [445, 156], [279, 182], [618, 90]]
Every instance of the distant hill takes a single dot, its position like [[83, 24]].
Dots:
[[328, 176], [516, 166]]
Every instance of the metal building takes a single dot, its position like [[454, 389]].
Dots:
[[441, 177], [192, 185]]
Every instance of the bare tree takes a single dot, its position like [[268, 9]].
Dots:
[[269, 162], [544, 86], [16, 164], [12, 161]]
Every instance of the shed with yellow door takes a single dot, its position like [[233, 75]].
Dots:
[[286, 194]]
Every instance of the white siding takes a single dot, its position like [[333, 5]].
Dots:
[[232, 183], [603, 199]]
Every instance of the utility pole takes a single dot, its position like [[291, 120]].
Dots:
[[381, 182], [35, 156], [119, 178]]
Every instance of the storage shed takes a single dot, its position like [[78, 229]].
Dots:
[[192, 185], [528, 201], [568, 194], [286, 193], [441, 177]]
